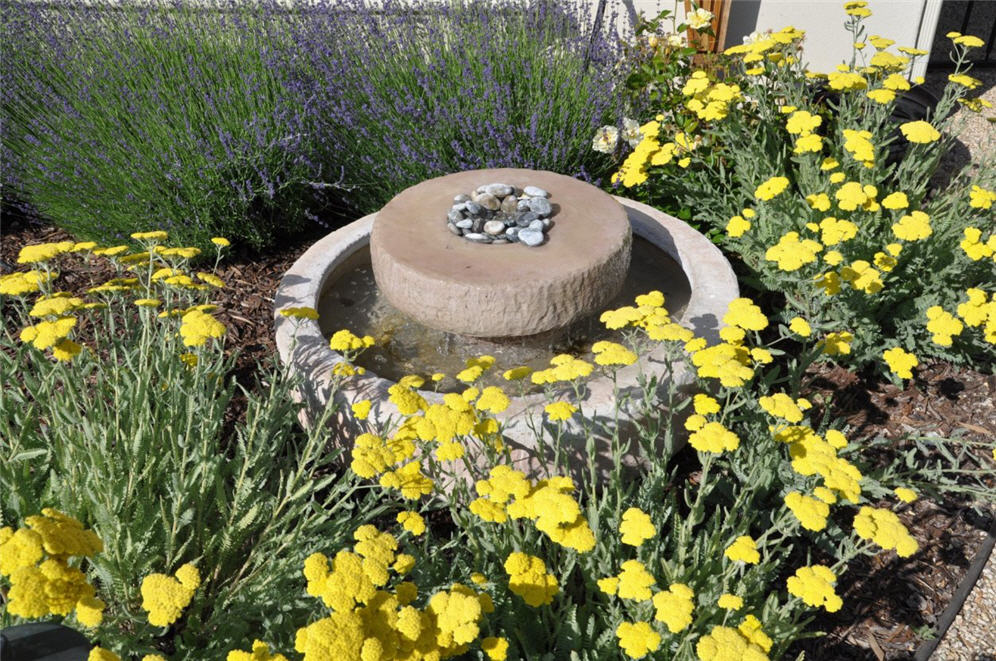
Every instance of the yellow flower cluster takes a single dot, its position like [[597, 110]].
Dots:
[[36, 560], [54, 334], [260, 652], [900, 361], [564, 368], [745, 643], [636, 527], [529, 579], [814, 585], [25, 282], [777, 48], [976, 311], [885, 529], [981, 198], [782, 406], [164, 597], [791, 254], [710, 101], [650, 152], [370, 622], [637, 639], [198, 327], [344, 340], [771, 188], [743, 549], [549, 503], [43, 252], [612, 353], [811, 512], [812, 455], [975, 248], [650, 316], [943, 325], [674, 607]]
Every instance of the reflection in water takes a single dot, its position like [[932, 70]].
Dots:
[[405, 346]]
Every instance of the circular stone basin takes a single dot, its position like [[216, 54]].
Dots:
[[303, 346], [512, 290]]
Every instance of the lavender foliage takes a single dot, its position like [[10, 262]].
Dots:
[[245, 120], [396, 92], [124, 118]]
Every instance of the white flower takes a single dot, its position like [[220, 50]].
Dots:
[[700, 18], [606, 139], [676, 40], [631, 132], [755, 37]]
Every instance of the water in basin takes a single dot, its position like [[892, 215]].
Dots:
[[404, 346]]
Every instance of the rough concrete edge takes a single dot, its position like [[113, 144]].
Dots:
[[300, 341]]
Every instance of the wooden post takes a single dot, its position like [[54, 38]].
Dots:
[[720, 17]]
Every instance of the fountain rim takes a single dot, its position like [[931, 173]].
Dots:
[[301, 344]]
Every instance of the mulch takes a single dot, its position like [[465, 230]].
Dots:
[[891, 604]]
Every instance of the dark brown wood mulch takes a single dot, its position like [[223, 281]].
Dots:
[[890, 603]]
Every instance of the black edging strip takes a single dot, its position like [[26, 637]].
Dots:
[[954, 607]]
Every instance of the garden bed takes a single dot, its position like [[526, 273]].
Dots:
[[893, 603]]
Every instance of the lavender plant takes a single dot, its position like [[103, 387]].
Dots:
[[117, 117], [400, 92]]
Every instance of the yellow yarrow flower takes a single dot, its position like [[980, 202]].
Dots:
[[165, 597], [412, 522], [800, 326], [43, 252], [905, 494], [636, 527], [674, 607], [611, 353], [943, 325], [260, 652], [897, 200], [637, 639], [771, 188], [883, 527], [901, 362], [810, 512], [743, 313], [913, 226], [919, 132], [981, 198], [559, 411], [45, 334], [838, 343], [791, 254], [529, 579], [737, 226], [782, 406], [814, 585], [100, 654], [714, 437], [731, 602], [495, 648], [197, 327], [727, 644]]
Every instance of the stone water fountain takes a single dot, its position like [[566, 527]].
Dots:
[[433, 296]]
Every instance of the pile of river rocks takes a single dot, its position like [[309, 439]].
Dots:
[[499, 213]]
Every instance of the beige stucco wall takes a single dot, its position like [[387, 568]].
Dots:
[[908, 22]]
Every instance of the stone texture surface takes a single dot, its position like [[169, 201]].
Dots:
[[500, 291]]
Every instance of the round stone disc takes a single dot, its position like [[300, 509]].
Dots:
[[449, 283]]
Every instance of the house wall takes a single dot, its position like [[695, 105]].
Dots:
[[908, 22]]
